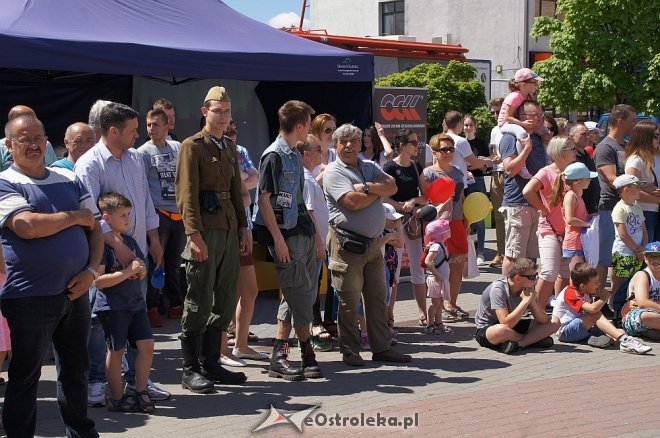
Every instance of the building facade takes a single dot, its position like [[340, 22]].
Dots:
[[492, 30]]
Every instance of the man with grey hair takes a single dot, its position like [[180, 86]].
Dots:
[[78, 139], [354, 190], [95, 117]]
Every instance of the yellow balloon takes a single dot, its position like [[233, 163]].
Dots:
[[476, 207]]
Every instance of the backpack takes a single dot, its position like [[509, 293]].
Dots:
[[425, 252]]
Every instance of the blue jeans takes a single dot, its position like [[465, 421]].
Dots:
[[652, 225], [605, 237], [33, 321], [97, 351], [479, 186]]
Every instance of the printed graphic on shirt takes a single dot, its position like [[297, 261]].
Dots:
[[165, 165]]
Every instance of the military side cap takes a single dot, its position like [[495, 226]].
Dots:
[[217, 93]]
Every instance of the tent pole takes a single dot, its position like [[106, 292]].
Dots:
[[302, 14]]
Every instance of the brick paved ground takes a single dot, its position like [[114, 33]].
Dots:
[[454, 387]]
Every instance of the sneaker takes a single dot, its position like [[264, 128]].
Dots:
[[602, 341], [364, 342], [319, 344], [546, 342], [481, 261], [156, 393], [509, 347], [96, 395], [628, 344]]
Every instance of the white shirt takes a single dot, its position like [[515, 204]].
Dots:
[[463, 150]]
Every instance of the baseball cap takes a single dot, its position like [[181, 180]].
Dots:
[[578, 171], [591, 126], [391, 213], [626, 180], [525, 74], [652, 248]]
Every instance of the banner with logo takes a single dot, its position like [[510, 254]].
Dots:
[[402, 108], [399, 108]]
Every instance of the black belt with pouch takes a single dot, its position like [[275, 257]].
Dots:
[[210, 200], [352, 242]]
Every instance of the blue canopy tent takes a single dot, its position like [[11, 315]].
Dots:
[[54, 49]]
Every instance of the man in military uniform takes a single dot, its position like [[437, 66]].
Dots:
[[208, 195]]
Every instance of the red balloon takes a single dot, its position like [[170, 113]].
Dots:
[[440, 190]]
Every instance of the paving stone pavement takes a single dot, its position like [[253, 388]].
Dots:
[[451, 388]]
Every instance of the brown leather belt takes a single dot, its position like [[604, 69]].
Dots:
[[173, 216], [223, 195]]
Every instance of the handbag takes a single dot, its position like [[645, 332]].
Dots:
[[412, 224], [352, 242]]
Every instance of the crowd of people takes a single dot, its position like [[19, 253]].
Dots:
[[114, 224]]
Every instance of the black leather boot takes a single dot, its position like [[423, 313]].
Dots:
[[192, 378], [310, 367], [279, 363], [211, 368]]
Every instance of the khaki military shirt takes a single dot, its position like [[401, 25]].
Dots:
[[202, 165]]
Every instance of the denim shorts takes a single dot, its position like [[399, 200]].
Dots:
[[575, 331], [570, 253], [125, 325]]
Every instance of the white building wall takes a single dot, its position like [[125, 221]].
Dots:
[[495, 30]]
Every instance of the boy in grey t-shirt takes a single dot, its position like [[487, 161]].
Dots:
[[499, 315]]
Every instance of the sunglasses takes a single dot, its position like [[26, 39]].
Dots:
[[413, 142], [531, 277], [448, 150], [329, 130]]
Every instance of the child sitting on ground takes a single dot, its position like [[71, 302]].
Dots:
[[123, 311], [391, 239], [578, 307], [523, 87], [630, 235], [641, 317], [436, 261]]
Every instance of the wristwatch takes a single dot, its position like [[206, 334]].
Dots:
[[365, 188], [93, 271]]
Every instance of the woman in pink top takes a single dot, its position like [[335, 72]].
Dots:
[[577, 177], [538, 193]]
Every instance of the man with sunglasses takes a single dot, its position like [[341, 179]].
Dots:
[[521, 219], [579, 134], [499, 317]]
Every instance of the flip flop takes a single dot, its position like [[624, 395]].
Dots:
[[322, 333]]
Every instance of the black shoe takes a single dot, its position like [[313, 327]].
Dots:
[[310, 367], [509, 347], [192, 378], [280, 366], [391, 355], [546, 342], [218, 374], [353, 360]]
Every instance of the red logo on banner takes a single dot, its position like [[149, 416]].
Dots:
[[401, 107]]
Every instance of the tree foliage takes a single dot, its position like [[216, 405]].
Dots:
[[604, 52], [453, 87]]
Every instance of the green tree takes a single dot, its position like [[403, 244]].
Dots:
[[451, 87], [604, 52]]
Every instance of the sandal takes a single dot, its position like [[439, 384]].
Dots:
[[231, 333], [390, 324], [252, 337], [322, 334], [127, 403], [422, 321], [449, 315], [331, 328], [461, 313], [144, 402], [442, 328]]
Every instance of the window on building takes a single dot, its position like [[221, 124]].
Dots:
[[545, 8], [392, 20]]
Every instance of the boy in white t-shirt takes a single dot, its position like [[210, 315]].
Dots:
[[577, 309], [629, 229]]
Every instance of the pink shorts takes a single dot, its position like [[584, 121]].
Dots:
[[437, 289]]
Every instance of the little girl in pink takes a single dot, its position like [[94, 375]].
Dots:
[[436, 261]]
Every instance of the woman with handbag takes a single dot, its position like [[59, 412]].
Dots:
[[641, 151], [443, 147], [407, 201]]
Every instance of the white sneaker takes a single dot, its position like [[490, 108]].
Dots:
[[156, 393], [481, 261], [96, 395], [628, 344]]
